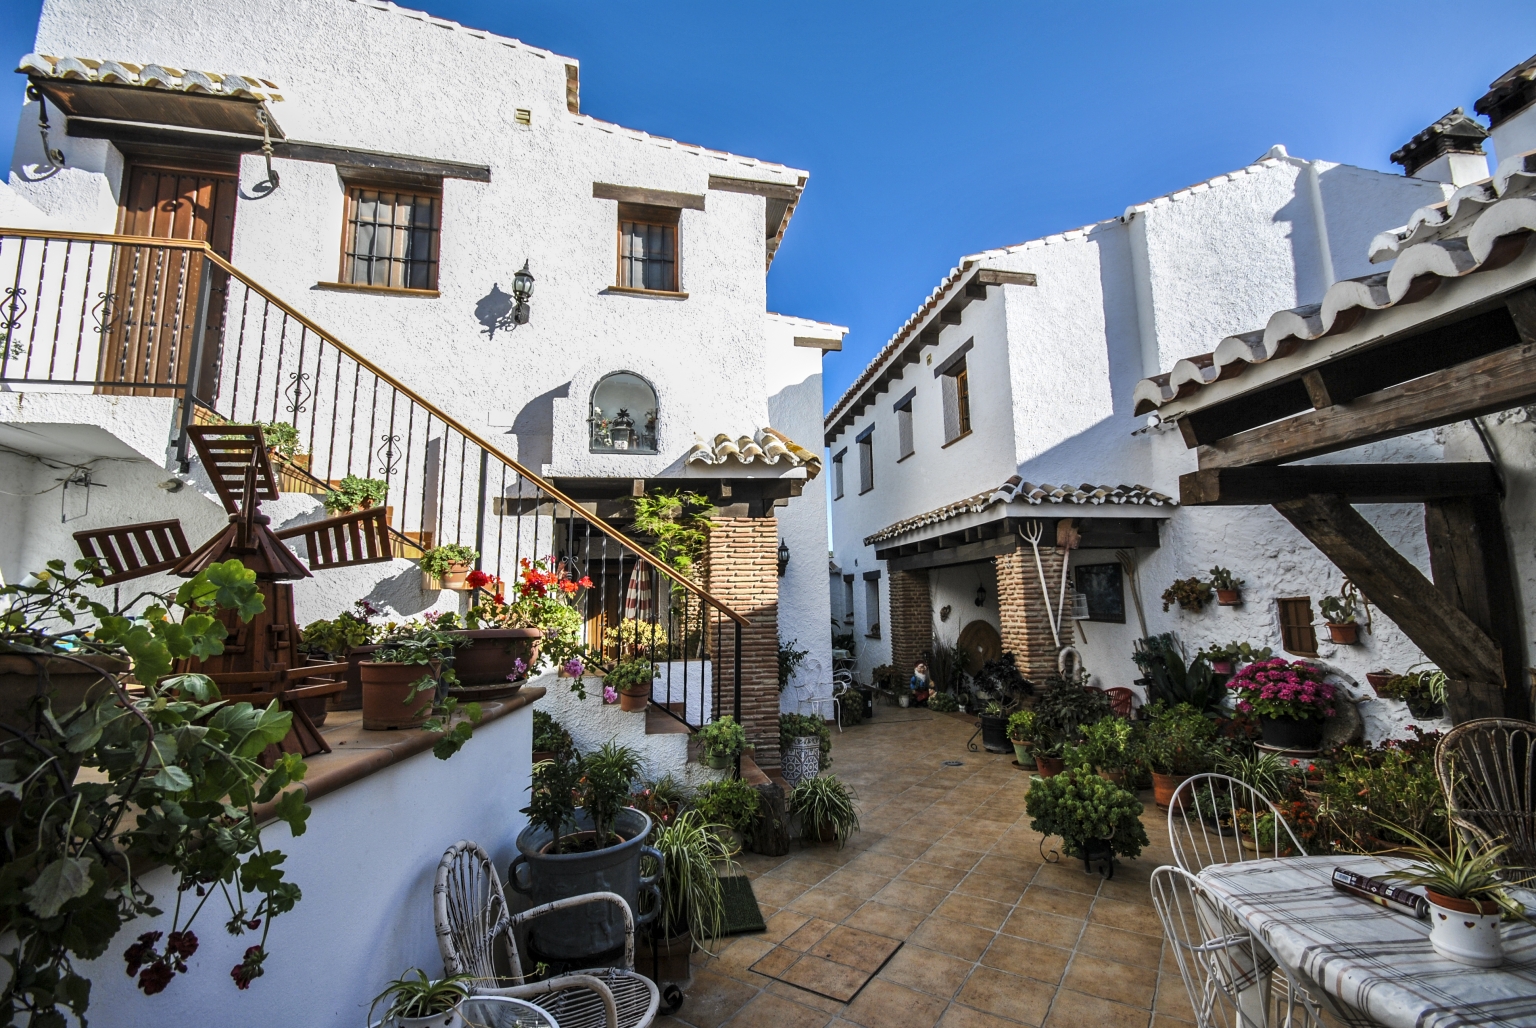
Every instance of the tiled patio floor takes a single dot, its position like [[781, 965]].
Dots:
[[992, 934]]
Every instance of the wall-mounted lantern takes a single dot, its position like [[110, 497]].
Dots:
[[622, 430], [783, 557], [522, 292]]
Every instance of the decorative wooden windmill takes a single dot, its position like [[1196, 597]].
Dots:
[[260, 661]]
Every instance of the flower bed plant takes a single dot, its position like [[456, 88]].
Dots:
[[440, 560], [335, 638], [1280, 688], [1084, 810], [1064, 709]]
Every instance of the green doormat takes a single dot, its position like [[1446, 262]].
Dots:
[[742, 914]]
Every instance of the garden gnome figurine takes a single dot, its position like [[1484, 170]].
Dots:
[[920, 683]]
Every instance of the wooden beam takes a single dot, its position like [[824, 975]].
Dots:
[[1317, 389], [1522, 311], [995, 277], [966, 553], [650, 197], [1495, 382], [1390, 581], [947, 316], [1356, 483]]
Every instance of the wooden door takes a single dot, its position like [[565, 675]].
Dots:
[[149, 336]]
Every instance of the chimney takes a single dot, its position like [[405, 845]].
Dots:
[[1450, 150], [1510, 105]]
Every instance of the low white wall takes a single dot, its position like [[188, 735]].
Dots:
[[366, 867]]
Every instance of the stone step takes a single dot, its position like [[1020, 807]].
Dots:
[[658, 723]]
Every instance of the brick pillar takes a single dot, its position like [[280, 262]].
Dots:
[[1021, 608], [911, 621], [743, 571]]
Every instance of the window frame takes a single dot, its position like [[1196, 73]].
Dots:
[[1101, 568], [650, 215], [837, 473], [351, 200], [1291, 630], [905, 444], [866, 444]]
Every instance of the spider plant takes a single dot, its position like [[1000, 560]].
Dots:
[[421, 996], [691, 899], [825, 804], [1461, 872], [1268, 773]]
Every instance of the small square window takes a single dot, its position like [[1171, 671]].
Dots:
[[391, 237], [904, 428], [1297, 635], [648, 247]]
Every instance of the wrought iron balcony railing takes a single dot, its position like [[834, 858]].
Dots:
[[130, 316]]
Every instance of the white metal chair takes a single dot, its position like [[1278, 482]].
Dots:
[[805, 696], [471, 912], [1232, 977], [1202, 829]]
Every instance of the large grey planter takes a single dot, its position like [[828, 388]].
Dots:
[[586, 931], [801, 760]]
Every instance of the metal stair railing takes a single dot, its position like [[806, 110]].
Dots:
[[134, 316]]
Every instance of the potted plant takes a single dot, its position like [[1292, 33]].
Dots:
[[732, 806], [692, 903], [661, 800], [1226, 658], [1423, 691], [1179, 741], [1021, 732], [1468, 895], [1189, 593], [1095, 819], [550, 739], [1106, 749], [447, 567], [805, 747], [282, 440], [942, 702], [1228, 589], [1339, 613], [549, 599], [1060, 714], [354, 493], [349, 637], [1290, 699], [722, 739], [402, 676], [631, 679], [422, 1002], [994, 727], [825, 807], [582, 837]]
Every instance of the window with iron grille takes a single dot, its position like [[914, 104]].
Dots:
[[648, 247], [391, 237], [1296, 633]]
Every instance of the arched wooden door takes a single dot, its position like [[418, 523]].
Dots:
[[981, 641]]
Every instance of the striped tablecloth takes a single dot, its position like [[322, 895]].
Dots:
[[1378, 963]]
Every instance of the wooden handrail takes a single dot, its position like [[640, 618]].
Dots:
[[420, 401]]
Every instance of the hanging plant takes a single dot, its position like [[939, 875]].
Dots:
[[1189, 593]]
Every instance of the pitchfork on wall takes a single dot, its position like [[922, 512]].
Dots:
[[260, 662]]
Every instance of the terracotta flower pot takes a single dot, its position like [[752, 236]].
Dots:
[[1163, 788], [636, 700], [72, 683], [1117, 778], [1345, 634], [385, 688], [1378, 679], [454, 577], [1466, 931], [1050, 767], [540, 756], [1229, 597], [668, 962], [492, 655], [351, 698], [1221, 667]]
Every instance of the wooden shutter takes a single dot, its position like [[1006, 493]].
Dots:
[[1296, 633]]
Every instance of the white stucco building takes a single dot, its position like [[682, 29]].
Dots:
[[1004, 407]]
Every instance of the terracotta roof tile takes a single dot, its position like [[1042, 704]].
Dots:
[[148, 76], [766, 446]]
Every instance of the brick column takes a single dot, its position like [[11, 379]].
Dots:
[[911, 621], [1021, 608], [743, 571]]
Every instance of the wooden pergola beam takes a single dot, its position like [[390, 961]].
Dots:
[[1470, 658], [1357, 483]]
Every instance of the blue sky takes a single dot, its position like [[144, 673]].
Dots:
[[932, 131]]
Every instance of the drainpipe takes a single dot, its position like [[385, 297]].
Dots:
[[1141, 281]]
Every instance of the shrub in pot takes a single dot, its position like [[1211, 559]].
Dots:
[[692, 905], [1339, 613], [825, 807], [342, 638], [1468, 895], [660, 800], [1161, 659], [1021, 732], [549, 600], [582, 837], [730, 805], [994, 728], [942, 702], [805, 747], [422, 1002], [1290, 699], [1106, 748], [402, 677], [1179, 741], [1226, 658], [1189, 593], [1061, 711], [721, 740], [1228, 588], [355, 493], [632, 679], [1095, 819], [448, 566]]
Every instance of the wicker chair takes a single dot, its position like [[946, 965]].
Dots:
[[471, 913], [1232, 977], [1487, 770], [1197, 836]]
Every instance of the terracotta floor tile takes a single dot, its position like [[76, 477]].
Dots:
[[887, 865], [926, 971], [782, 925], [1125, 890], [1121, 947], [998, 890], [1037, 926], [714, 999], [1173, 998], [784, 990], [958, 1016], [1076, 1009], [885, 1004], [808, 934], [973, 910], [909, 848], [736, 958], [775, 962], [1124, 983], [807, 872], [1068, 876], [778, 891], [1008, 866], [1056, 901], [885, 919], [863, 950], [826, 903], [936, 875], [953, 937], [826, 977], [1164, 1021], [770, 1011], [857, 884], [1132, 917], [948, 854], [1029, 959], [1007, 995], [902, 893]]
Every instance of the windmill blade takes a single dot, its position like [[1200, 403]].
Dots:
[[361, 537], [226, 451], [133, 551]]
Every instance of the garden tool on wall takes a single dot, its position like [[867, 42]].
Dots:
[[1033, 531], [1067, 538]]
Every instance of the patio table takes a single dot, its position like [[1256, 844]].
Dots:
[[1373, 966]]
